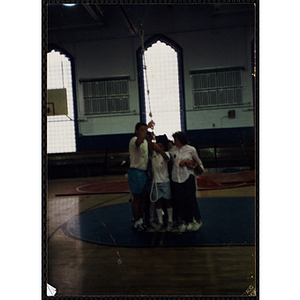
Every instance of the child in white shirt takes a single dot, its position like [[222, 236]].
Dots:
[[161, 188]]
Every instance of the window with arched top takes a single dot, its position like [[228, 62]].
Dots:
[[60, 104], [161, 85]]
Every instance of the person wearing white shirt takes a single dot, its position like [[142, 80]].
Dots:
[[138, 177], [161, 188], [185, 160]]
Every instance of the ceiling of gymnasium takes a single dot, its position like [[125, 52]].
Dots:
[[97, 21]]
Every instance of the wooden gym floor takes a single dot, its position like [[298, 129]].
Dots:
[[77, 268]]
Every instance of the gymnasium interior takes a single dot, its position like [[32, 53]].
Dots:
[[189, 67]]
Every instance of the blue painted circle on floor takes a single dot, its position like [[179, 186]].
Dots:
[[226, 221]]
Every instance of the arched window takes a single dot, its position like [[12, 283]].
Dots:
[[60, 104], [161, 85]]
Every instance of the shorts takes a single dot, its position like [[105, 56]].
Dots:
[[139, 181], [163, 190]]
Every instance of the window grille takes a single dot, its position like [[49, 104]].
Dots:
[[106, 96], [217, 87]]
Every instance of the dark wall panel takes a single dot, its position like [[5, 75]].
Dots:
[[218, 137]]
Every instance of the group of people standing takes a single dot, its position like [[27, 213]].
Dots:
[[162, 180]]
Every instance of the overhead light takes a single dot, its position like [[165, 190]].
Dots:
[[69, 5]]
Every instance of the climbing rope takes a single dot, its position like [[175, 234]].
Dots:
[[141, 32], [154, 183]]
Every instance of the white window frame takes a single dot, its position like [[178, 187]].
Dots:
[[217, 87], [61, 132], [106, 96]]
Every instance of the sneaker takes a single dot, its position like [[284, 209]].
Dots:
[[176, 224], [138, 227], [182, 228], [144, 225], [190, 227], [170, 226], [196, 226], [159, 226], [153, 224]]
